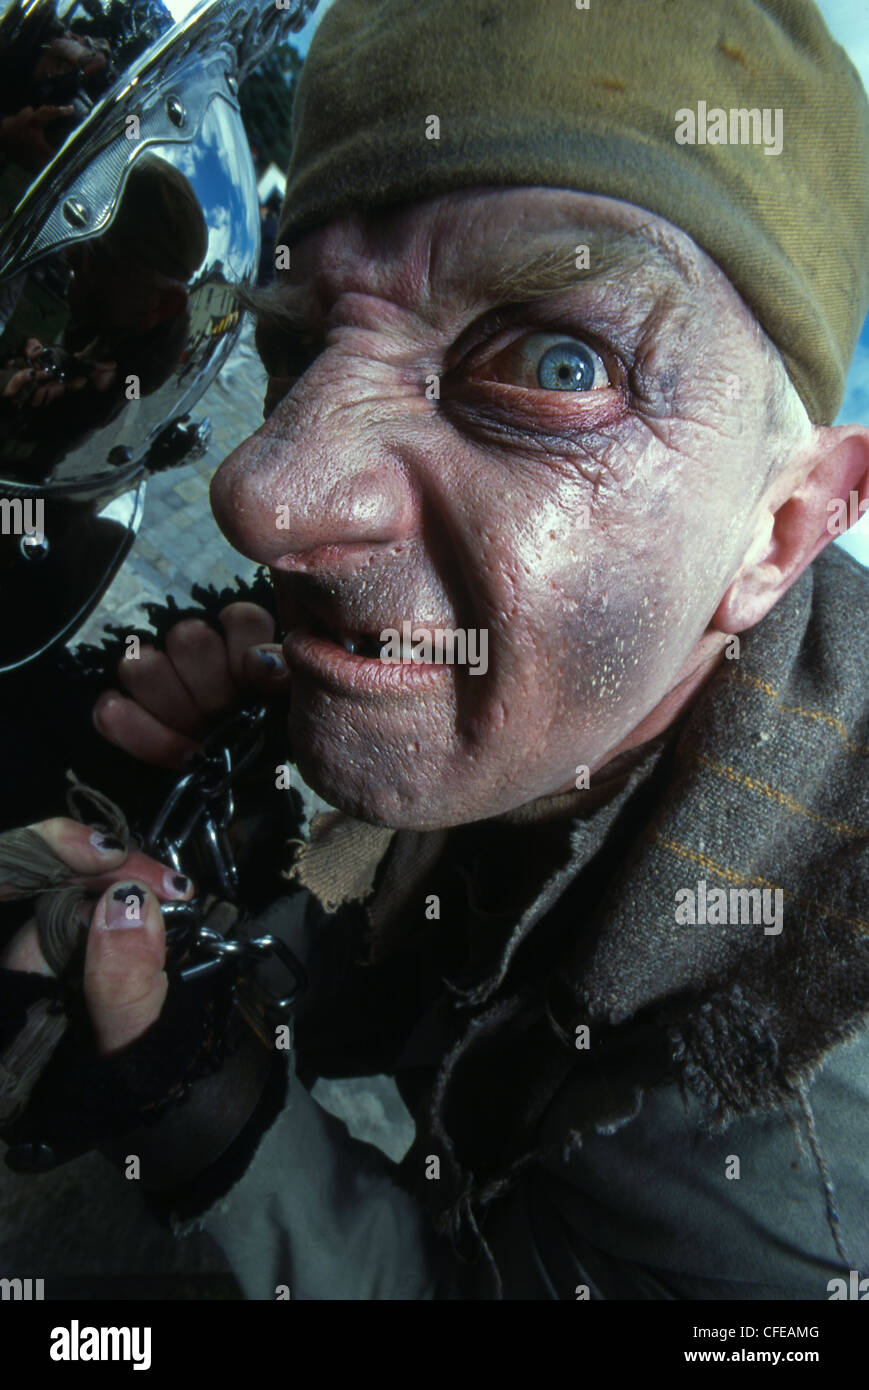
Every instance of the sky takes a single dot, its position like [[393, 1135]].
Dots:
[[305, 36], [179, 9]]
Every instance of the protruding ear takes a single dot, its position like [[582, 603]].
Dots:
[[833, 496]]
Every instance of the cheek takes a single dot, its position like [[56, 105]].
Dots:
[[617, 639], [603, 638], [616, 615]]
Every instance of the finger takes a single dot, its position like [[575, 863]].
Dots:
[[264, 668], [152, 681], [97, 860], [23, 951], [164, 881], [86, 852], [246, 625], [200, 658], [125, 983], [126, 725]]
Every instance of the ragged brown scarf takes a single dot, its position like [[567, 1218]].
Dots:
[[556, 923]]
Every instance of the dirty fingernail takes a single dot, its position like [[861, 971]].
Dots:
[[126, 906], [175, 885], [106, 844], [273, 661]]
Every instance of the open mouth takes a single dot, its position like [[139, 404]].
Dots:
[[365, 644], [381, 655]]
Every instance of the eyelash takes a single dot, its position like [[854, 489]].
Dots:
[[492, 350], [478, 342], [475, 346]]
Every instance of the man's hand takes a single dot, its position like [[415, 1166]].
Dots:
[[125, 982], [36, 384], [199, 679]]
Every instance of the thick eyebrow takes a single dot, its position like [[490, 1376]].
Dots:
[[524, 270], [280, 307], [521, 269]]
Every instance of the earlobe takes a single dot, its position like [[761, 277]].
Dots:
[[753, 590], [833, 495]]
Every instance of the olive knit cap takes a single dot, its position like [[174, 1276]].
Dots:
[[551, 93]]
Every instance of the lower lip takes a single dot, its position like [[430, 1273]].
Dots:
[[330, 663]]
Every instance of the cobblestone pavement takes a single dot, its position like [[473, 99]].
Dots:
[[179, 543]]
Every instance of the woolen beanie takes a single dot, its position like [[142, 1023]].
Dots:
[[548, 93]]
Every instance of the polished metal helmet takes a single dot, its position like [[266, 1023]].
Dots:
[[128, 218]]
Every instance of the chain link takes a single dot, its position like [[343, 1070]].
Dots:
[[196, 816], [201, 802]]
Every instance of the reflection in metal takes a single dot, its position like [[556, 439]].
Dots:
[[128, 215], [34, 547], [85, 544], [75, 213]]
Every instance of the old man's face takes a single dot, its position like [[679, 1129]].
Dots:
[[477, 426]]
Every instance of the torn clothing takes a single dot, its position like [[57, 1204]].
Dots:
[[645, 1212], [559, 1164]]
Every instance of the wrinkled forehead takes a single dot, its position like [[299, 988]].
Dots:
[[490, 245]]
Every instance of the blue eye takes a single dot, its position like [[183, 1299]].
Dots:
[[569, 366], [547, 362]]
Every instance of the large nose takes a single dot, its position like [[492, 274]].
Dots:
[[320, 481]]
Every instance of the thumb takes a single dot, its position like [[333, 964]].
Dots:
[[264, 668], [125, 984]]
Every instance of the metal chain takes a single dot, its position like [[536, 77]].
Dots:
[[197, 814], [201, 803]]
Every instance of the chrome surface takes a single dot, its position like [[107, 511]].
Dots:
[[128, 216]]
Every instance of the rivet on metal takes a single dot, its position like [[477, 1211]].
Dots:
[[34, 547], [76, 214], [176, 112]]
